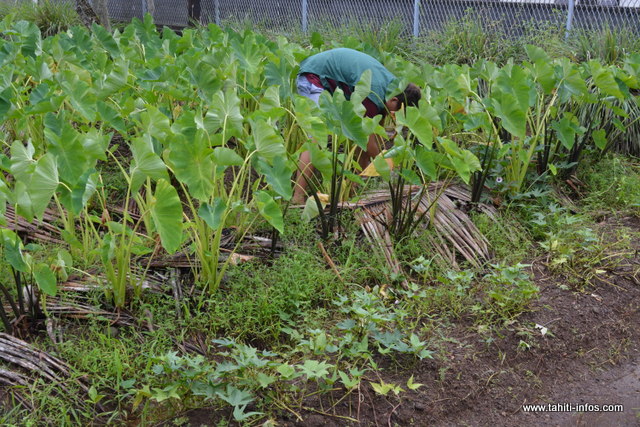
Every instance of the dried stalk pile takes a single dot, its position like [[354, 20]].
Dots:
[[80, 310], [29, 365], [251, 246], [41, 231], [455, 232], [372, 219]]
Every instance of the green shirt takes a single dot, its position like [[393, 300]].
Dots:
[[346, 66]]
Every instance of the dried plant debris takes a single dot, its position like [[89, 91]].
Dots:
[[369, 218], [37, 231], [153, 280], [249, 248], [25, 365], [455, 232], [57, 307]]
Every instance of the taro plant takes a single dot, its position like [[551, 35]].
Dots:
[[523, 112], [419, 159], [32, 280], [340, 121], [217, 178]]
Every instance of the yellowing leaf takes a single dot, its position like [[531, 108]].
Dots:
[[383, 291], [235, 259], [324, 198], [412, 385], [371, 169]]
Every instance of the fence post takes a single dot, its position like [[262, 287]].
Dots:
[[416, 18], [194, 11], [100, 6], [305, 17], [569, 18], [216, 7]]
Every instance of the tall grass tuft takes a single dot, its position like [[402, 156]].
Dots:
[[464, 41], [609, 45], [474, 37], [50, 16]]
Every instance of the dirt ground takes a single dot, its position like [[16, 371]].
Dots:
[[589, 355]]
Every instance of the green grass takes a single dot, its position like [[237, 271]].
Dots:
[[257, 299], [510, 242], [613, 184], [610, 45], [50, 16]]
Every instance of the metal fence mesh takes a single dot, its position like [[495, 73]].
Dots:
[[417, 16]]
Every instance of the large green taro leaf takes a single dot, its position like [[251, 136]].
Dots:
[[105, 40], [604, 79], [64, 142], [511, 114], [80, 93], [277, 176], [267, 140], [22, 162], [342, 119], [146, 163], [418, 120], [46, 279], [43, 184], [108, 84], [224, 113], [166, 212], [192, 163], [566, 129], [269, 210], [213, 214]]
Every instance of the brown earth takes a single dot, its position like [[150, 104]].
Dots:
[[589, 355]]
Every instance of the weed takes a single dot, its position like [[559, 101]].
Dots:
[[257, 300], [613, 182], [114, 363], [464, 41], [245, 375], [472, 38], [509, 240], [50, 16], [451, 296], [388, 37], [608, 44], [508, 291], [368, 318]]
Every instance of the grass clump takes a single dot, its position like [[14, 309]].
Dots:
[[464, 41], [608, 44], [473, 38], [257, 300], [508, 292], [50, 16], [613, 182], [508, 239]]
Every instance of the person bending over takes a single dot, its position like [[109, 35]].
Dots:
[[343, 68]]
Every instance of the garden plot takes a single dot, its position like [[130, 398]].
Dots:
[[149, 242]]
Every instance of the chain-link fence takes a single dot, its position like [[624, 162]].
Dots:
[[417, 16]]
